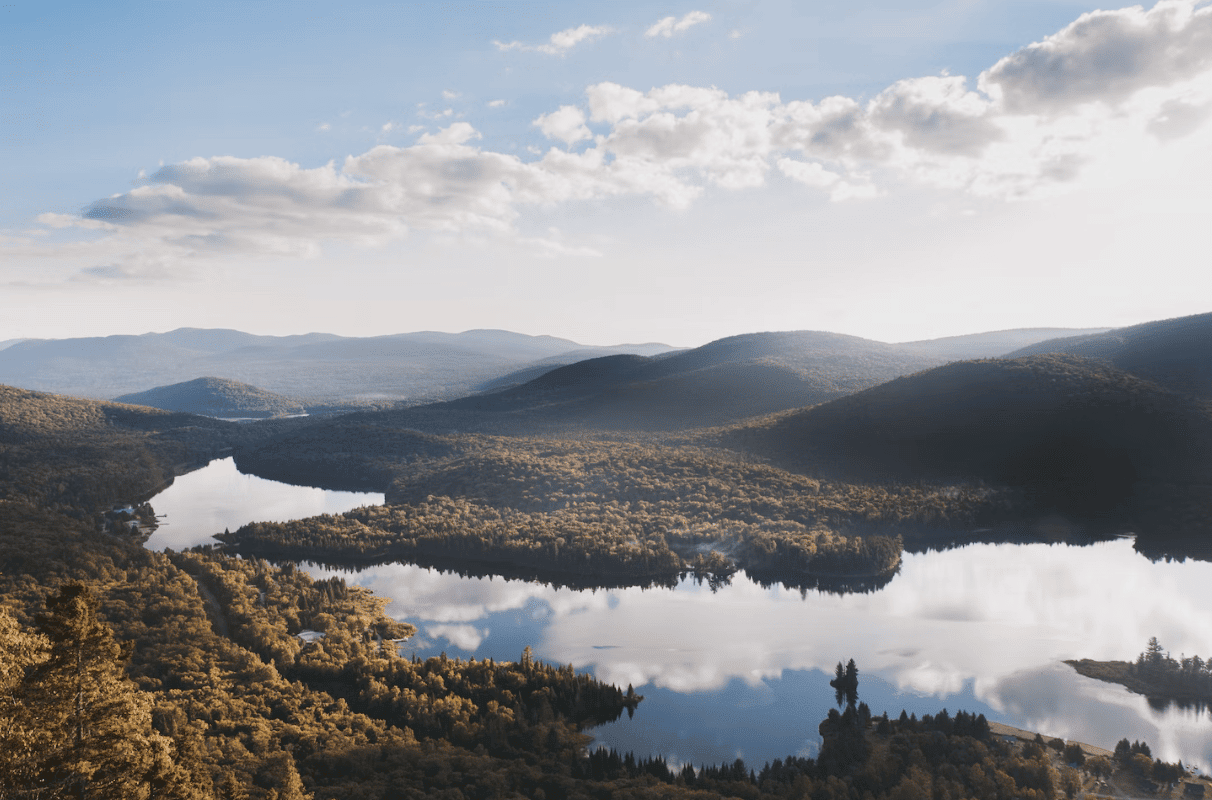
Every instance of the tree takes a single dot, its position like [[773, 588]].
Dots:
[[845, 684], [1153, 656], [94, 734], [280, 776], [19, 651]]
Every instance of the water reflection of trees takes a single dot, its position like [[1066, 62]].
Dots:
[[769, 579]]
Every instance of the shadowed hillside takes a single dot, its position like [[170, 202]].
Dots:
[[215, 397], [1082, 437], [1176, 353], [720, 382]]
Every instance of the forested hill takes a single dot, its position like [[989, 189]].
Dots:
[[1081, 436], [64, 452], [723, 381], [215, 397], [1176, 353]]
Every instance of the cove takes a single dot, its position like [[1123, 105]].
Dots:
[[743, 671]]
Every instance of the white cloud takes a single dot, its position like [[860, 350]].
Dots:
[[562, 41], [567, 123], [669, 26], [448, 94], [496, 103], [1039, 121], [466, 637], [1105, 56]]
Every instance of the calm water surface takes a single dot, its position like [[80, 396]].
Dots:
[[743, 671], [219, 497]]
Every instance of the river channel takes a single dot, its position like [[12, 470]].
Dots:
[[743, 671]]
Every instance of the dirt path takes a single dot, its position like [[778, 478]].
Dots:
[[215, 611]]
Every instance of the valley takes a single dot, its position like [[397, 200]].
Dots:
[[714, 527]]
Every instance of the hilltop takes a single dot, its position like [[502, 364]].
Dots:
[[722, 381], [215, 397], [1176, 353], [992, 344]]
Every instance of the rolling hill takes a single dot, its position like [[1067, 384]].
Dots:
[[1176, 353], [1078, 435], [215, 397], [722, 381]]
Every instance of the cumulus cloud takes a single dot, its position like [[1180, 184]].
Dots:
[[560, 42], [1037, 121], [1105, 56], [669, 26], [567, 123], [466, 637]]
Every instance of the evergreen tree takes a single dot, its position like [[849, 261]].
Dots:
[[93, 725], [280, 776]]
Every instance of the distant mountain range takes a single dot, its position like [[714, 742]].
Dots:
[[312, 368], [721, 382], [518, 379], [725, 380], [994, 344], [215, 397]]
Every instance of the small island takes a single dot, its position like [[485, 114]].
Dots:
[[1156, 674]]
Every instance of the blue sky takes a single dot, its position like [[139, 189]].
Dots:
[[607, 172]]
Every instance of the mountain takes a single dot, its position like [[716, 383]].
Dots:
[[315, 367], [722, 381], [992, 344], [1176, 353], [215, 397], [1077, 434]]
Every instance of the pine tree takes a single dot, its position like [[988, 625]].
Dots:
[[93, 724], [281, 777]]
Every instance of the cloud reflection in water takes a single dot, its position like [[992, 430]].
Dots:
[[985, 622]]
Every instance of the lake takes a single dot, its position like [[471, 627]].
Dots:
[[743, 671]]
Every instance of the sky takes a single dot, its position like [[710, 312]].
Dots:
[[607, 172]]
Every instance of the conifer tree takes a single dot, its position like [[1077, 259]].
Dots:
[[93, 726]]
